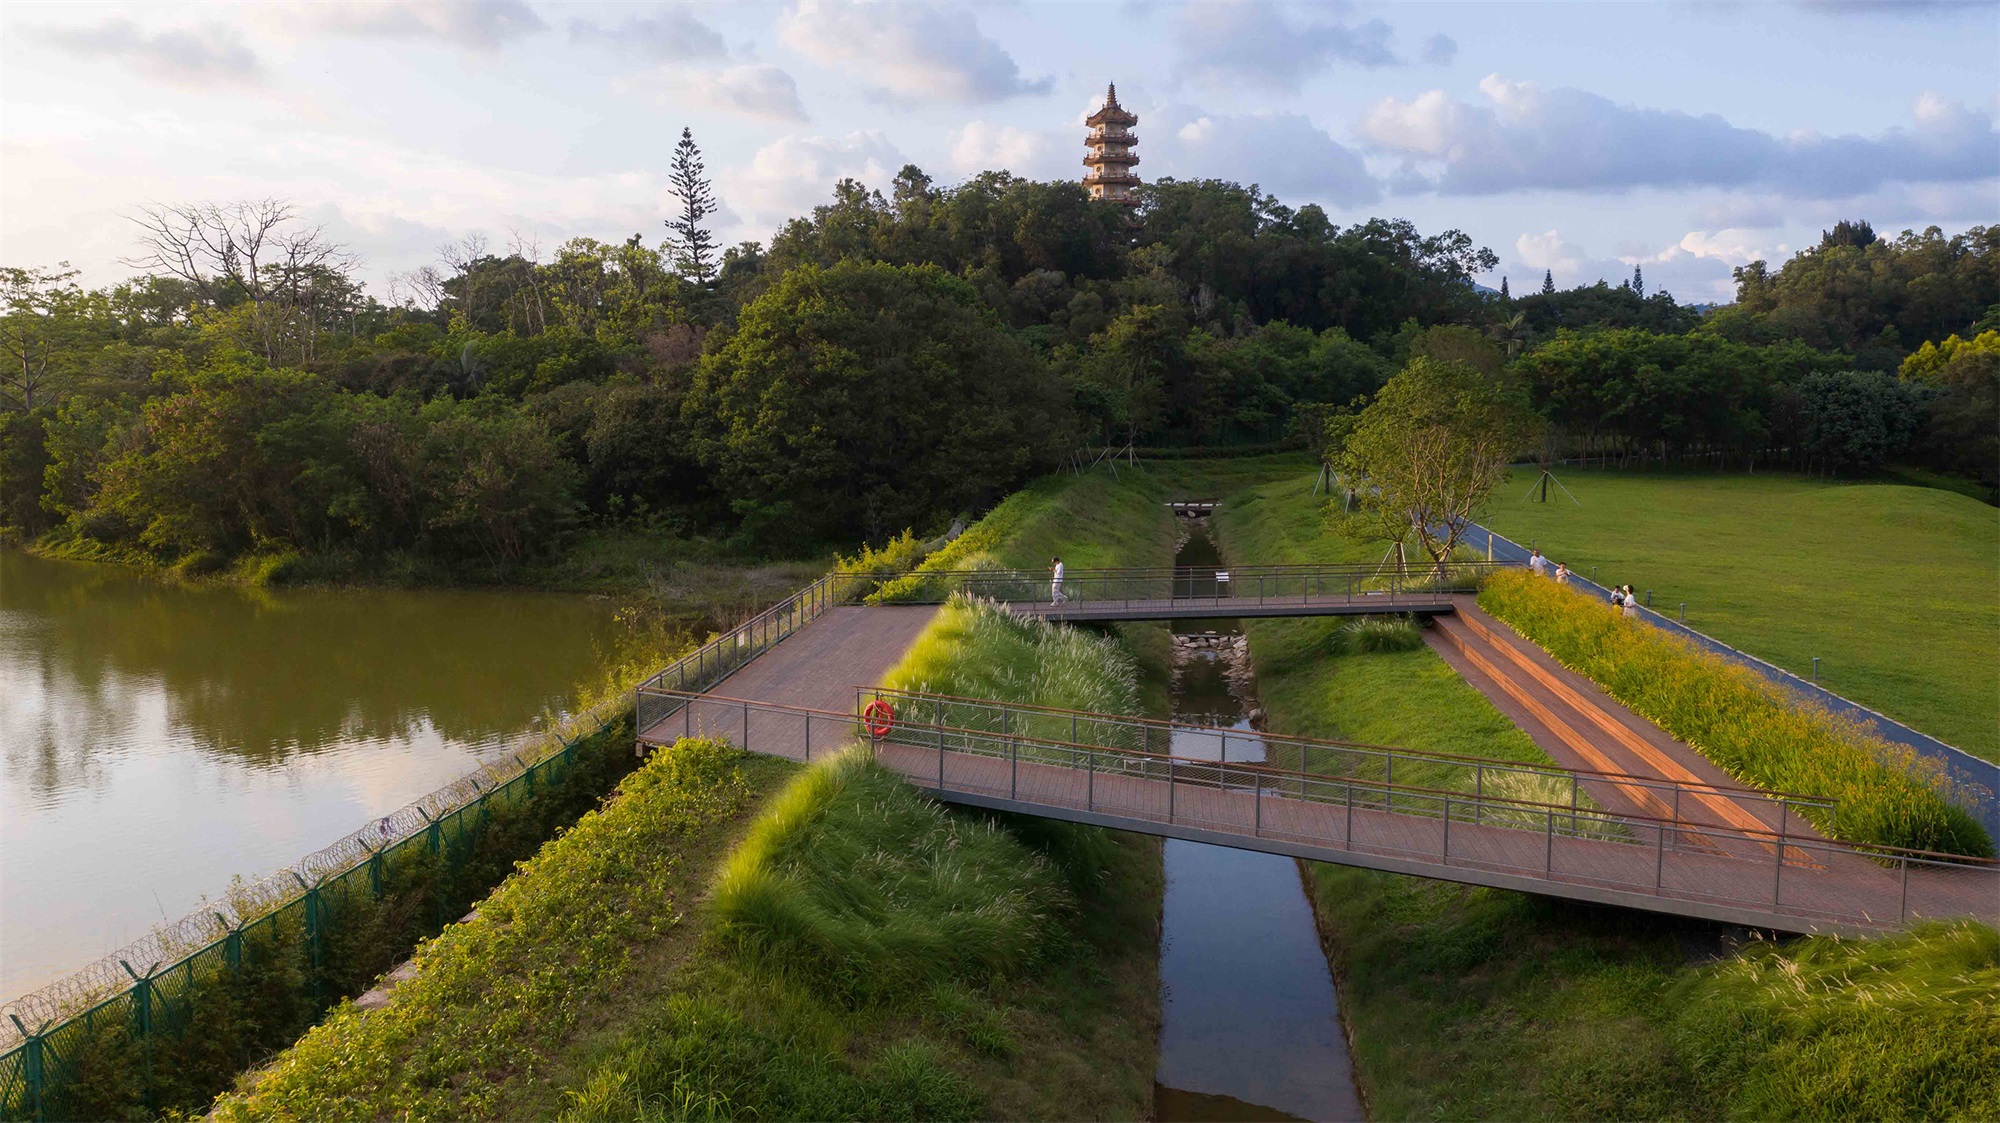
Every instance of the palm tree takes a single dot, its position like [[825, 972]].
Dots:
[[1512, 333]]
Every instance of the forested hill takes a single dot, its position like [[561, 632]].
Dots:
[[888, 361]]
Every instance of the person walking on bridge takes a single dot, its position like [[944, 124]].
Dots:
[[1055, 583], [1537, 564], [1562, 574]]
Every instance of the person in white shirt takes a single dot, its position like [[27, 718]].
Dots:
[[1618, 596], [1631, 602], [1537, 564], [1562, 574], [1055, 585]]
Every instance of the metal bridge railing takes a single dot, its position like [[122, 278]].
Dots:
[[1255, 584], [1769, 872], [1673, 800]]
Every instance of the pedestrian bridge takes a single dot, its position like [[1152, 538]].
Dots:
[[1205, 593], [1450, 818]]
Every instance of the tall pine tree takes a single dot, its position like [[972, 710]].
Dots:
[[693, 246], [1503, 290], [1639, 282], [1548, 283]]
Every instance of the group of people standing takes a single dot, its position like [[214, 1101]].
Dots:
[[1622, 596]]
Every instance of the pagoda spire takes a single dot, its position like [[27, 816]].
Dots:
[[1111, 157]]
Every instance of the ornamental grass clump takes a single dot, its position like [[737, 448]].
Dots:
[[1366, 635], [977, 649], [1759, 733], [852, 879], [1901, 1027]]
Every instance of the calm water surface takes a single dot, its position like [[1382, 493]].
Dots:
[[157, 740], [1250, 1020]]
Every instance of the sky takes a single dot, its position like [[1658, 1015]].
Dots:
[[1583, 139]]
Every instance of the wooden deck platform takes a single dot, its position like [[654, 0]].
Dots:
[[1233, 608]]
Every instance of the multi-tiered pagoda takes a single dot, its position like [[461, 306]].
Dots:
[[1111, 157]]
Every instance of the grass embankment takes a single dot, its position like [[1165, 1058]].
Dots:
[[1478, 1003], [1760, 734], [880, 957], [582, 933], [1892, 586]]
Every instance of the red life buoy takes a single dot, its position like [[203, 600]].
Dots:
[[880, 717]]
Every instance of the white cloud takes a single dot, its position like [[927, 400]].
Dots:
[[1284, 153], [756, 91], [984, 146], [1696, 269], [1260, 42], [790, 176], [476, 25], [210, 54], [1527, 137], [671, 36], [907, 51]]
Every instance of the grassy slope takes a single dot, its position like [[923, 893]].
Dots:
[[580, 937], [1893, 587], [872, 955], [1478, 1003]]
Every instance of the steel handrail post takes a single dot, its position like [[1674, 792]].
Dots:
[[1778, 864], [746, 725], [1444, 855], [1549, 853], [937, 722], [1903, 909], [1257, 810], [1348, 841], [1014, 769], [1478, 793], [809, 739], [1090, 780], [1170, 790], [1659, 859]]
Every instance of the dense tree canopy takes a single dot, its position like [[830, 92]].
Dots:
[[890, 361]]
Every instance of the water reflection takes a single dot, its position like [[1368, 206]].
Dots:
[[157, 739]]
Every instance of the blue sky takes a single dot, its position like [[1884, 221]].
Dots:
[[1580, 138]]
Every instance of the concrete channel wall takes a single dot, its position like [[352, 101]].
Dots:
[[1973, 782]]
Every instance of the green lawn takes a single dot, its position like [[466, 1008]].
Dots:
[[1893, 587], [1469, 1003]]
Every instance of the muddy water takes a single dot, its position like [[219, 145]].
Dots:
[[1250, 1020]]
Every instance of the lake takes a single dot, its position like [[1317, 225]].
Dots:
[[158, 739]]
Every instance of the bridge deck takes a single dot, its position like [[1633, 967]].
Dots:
[[1686, 870], [817, 667], [1233, 608]]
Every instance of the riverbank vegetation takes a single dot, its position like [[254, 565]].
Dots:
[[1888, 585], [1759, 733], [232, 1005]]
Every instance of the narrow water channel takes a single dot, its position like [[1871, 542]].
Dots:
[[1250, 1020]]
